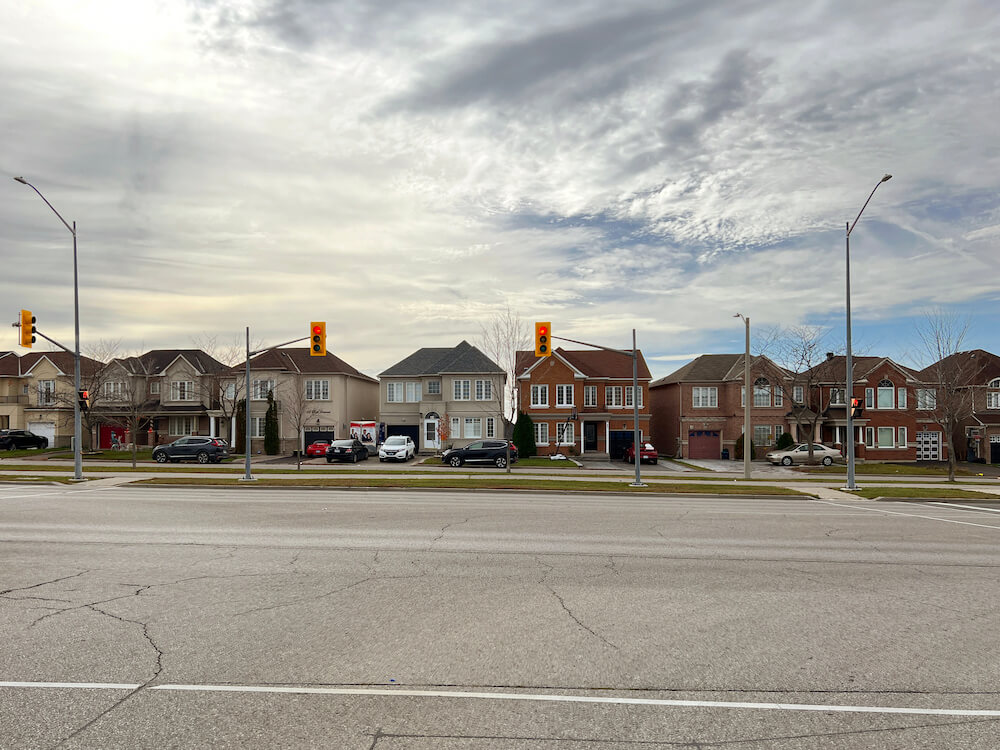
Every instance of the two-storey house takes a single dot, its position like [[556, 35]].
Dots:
[[582, 401], [698, 410], [443, 397]]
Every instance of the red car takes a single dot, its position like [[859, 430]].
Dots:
[[647, 454], [318, 448]]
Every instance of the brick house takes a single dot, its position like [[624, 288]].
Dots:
[[442, 396], [581, 401], [697, 411]]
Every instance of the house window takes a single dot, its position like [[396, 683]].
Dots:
[[886, 437], [394, 393], [113, 391], [869, 398], [484, 390], [541, 433], [870, 437], [539, 396], [154, 387], [836, 397], [704, 398], [228, 392], [46, 392], [491, 427], [761, 393], [779, 397], [456, 427], [992, 400], [613, 396], [260, 389], [779, 430], [884, 397], [628, 396], [590, 395], [317, 390], [995, 383], [182, 390], [926, 398], [462, 390], [473, 427], [902, 437], [564, 433], [434, 387], [257, 426], [564, 395], [412, 393], [797, 394], [762, 435], [901, 398], [184, 425]]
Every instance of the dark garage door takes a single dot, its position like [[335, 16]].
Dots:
[[322, 432], [618, 441], [411, 430], [704, 444]]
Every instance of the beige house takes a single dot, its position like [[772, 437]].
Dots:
[[443, 397], [316, 397]]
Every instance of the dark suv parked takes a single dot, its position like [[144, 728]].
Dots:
[[481, 452], [14, 439], [201, 449]]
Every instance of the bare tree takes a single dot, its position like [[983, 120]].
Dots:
[[226, 389], [93, 375], [501, 337], [125, 399], [299, 410], [942, 336]]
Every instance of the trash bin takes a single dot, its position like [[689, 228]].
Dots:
[[725, 454]]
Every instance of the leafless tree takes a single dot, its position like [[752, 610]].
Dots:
[[299, 410], [125, 401], [226, 389], [93, 374], [942, 336], [501, 337]]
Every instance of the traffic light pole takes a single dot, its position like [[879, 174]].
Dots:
[[247, 476]]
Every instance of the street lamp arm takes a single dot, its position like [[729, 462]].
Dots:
[[885, 178], [65, 223]]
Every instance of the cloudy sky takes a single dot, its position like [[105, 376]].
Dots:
[[403, 169]]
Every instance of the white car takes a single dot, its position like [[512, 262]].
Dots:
[[398, 448], [800, 455]]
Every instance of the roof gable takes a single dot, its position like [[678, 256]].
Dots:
[[459, 360]]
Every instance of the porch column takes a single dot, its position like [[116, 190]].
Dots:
[[211, 427], [232, 430]]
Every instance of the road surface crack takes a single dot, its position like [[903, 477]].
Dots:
[[43, 583], [562, 603]]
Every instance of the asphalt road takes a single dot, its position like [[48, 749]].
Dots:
[[153, 617]]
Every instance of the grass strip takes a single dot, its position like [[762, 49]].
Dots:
[[693, 467], [494, 483], [882, 469], [923, 493]]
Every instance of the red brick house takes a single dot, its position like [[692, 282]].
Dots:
[[697, 411], [581, 401]]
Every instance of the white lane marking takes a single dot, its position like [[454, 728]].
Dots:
[[909, 515], [551, 698], [970, 507]]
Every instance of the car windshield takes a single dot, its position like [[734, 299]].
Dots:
[[396, 440]]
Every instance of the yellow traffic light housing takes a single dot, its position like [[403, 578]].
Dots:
[[317, 339], [27, 328], [543, 334]]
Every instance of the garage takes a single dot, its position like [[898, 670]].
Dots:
[[704, 444], [319, 432], [45, 429], [928, 446], [411, 431]]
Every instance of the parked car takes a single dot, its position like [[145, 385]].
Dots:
[[194, 448], [15, 439], [397, 447], [800, 455], [481, 452], [317, 448], [647, 454], [346, 450]]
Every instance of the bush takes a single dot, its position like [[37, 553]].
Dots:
[[785, 441], [524, 436], [272, 441], [739, 448]]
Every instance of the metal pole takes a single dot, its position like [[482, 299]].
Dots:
[[635, 414], [247, 476], [77, 426], [746, 406], [849, 377]]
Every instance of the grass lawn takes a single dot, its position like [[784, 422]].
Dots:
[[499, 482], [25, 452], [924, 492], [531, 463], [882, 469]]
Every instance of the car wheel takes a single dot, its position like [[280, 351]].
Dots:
[[786, 461], [501, 462], [354, 458], [202, 457], [160, 458], [10, 447], [827, 460], [329, 460], [455, 461], [44, 445]]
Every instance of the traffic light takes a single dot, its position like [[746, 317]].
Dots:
[[84, 398], [857, 408], [27, 328], [317, 335], [543, 332]]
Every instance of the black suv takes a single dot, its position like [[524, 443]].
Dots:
[[481, 452], [201, 449], [13, 439]]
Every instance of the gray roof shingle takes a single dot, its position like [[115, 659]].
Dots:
[[461, 359]]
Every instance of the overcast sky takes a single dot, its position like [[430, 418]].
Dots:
[[402, 169]]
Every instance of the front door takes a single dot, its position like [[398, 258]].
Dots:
[[589, 436], [431, 439]]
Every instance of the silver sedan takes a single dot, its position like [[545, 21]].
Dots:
[[800, 455]]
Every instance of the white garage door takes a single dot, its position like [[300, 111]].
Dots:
[[45, 429], [928, 446]]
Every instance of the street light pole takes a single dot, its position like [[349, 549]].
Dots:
[[77, 426], [849, 379], [746, 400]]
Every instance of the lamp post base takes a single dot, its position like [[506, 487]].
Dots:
[[637, 484], [248, 479], [81, 479]]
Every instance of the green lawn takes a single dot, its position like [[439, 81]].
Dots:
[[530, 463], [22, 453], [884, 469], [924, 492]]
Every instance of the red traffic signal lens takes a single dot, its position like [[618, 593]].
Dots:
[[543, 330], [317, 330]]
